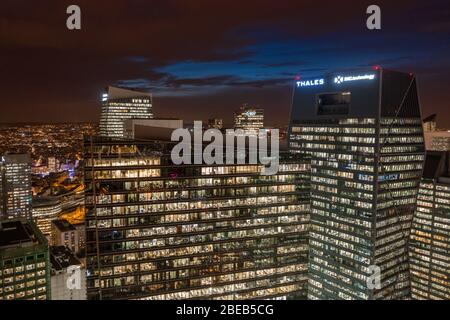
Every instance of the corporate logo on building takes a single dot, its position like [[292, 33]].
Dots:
[[250, 113], [340, 79], [310, 83]]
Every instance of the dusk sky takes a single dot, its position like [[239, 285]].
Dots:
[[204, 58]]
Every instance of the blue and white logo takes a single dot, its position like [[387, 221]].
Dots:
[[340, 79], [310, 83]]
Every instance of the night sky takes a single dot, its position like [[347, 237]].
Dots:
[[204, 58]]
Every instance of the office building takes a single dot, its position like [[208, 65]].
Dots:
[[437, 140], [429, 123], [52, 164], [363, 133], [155, 230], [81, 232], [63, 233], [45, 210], [24, 262], [15, 186], [120, 104], [249, 119], [68, 276], [429, 254]]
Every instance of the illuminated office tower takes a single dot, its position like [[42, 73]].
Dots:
[[363, 133], [429, 123], [52, 164], [429, 254], [24, 262], [249, 119], [155, 230], [45, 210], [437, 140], [120, 104], [15, 186]]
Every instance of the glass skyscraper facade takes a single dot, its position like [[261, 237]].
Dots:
[[120, 104], [15, 186], [156, 230], [430, 235], [362, 131]]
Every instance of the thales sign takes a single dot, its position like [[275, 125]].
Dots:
[[310, 83]]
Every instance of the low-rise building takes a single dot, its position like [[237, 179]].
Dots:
[[65, 234], [68, 276]]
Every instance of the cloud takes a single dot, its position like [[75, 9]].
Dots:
[[136, 59], [396, 61], [226, 80], [284, 64], [199, 47], [205, 81]]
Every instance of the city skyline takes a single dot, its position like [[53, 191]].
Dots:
[[249, 53], [213, 150]]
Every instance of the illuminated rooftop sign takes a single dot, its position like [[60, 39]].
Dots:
[[340, 79], [310, 83]]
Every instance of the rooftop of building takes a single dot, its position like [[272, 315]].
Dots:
[[363, 87], [12, 233], [15, 158], [431, 117], [39, 202], [246, 107], [438, 133], [18, 234], [63, 225], [123, 93], [62, 257]]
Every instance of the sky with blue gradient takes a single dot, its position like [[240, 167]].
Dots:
[[202, 59]]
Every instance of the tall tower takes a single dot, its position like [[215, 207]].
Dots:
[[362, 131], [15, 186], [120, 104], [429, 257]]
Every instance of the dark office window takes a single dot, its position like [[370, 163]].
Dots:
[[337, 103]]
